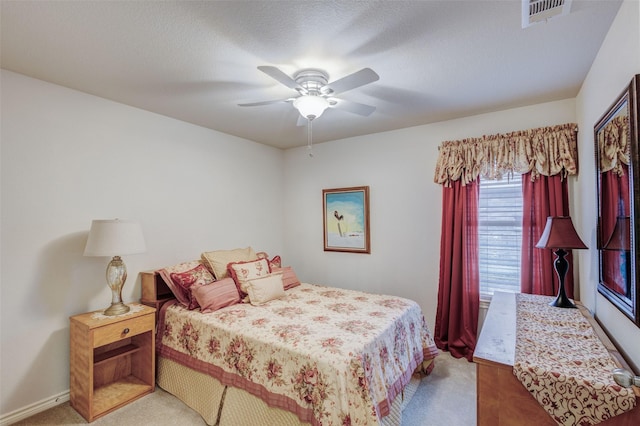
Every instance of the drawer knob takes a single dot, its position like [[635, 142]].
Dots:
[[125, 331]]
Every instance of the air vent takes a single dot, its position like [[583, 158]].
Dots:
[[536, 11]]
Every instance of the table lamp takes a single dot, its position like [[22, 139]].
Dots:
[[115, 237], [620, 239], [560, 234]]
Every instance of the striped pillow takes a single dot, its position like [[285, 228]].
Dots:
[[216, 295], [289, 277]]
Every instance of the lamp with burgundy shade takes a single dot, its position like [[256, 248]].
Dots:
[[559, 234], [620, 239]]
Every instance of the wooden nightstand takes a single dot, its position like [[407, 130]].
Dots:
[[112, 360]]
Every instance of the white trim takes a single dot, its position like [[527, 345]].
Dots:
[[35, 408], [482, 313], [485, 302]]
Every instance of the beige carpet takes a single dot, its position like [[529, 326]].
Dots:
[[447, 397]]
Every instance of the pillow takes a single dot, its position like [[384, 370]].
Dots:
[[276, 262], [289, 277], [216, 295], [261, 290], [241, 272], [197, 277], [181, 293], [218, 260]]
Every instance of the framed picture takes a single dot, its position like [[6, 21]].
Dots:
[[346, 219]]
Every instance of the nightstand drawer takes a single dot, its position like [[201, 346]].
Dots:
[[122, 330]]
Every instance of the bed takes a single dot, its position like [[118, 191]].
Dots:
[[315, 355]]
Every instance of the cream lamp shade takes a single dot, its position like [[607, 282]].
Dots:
[[115, 237]]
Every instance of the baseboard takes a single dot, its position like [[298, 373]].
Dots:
[[35, 408]]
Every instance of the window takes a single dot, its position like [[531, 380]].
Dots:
[[500, 234]]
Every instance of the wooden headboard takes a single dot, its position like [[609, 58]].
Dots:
[[155, 292]]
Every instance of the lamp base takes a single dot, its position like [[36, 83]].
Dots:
[[561, 266], [563, 301], [116, 309], [116, 276]]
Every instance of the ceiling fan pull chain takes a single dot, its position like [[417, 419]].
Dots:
[[310, 136]]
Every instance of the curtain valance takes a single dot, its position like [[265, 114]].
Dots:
[[613, 144], [544, 151]]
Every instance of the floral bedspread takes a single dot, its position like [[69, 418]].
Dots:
[[331, 356], [562, 363]]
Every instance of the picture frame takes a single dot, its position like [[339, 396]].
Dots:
[[345, 219]]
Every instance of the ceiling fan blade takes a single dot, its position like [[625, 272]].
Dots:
[[250, 104], [354, 107], [351, 81], [280, 76]]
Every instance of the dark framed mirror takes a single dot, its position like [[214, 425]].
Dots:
[[618, 189]]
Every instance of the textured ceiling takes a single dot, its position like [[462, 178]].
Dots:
[[196, 60]]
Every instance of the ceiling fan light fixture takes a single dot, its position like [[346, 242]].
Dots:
[[311, 106]]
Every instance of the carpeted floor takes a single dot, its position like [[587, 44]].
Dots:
[[447, 397]]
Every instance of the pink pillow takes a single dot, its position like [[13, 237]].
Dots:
[[216, 295], [276, 262], [198, 276], [289, 277]]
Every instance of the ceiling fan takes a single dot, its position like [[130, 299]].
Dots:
[[316, 94]]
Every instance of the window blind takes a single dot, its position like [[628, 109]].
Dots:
[[500, 234]]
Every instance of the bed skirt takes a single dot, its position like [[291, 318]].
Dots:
[[220, 405]]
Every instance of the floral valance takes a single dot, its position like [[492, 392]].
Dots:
[[613, 145], [544, 151]]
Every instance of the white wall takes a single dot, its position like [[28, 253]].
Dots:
[[398, 167], [617, 62], [68, 158]]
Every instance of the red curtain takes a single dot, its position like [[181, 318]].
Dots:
[[459, 282], [547, 196]]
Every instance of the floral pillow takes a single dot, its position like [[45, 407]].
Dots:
[[181, 294], [181, 282], [289, 277], [262, 290], [241, 272], [216, 295]]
